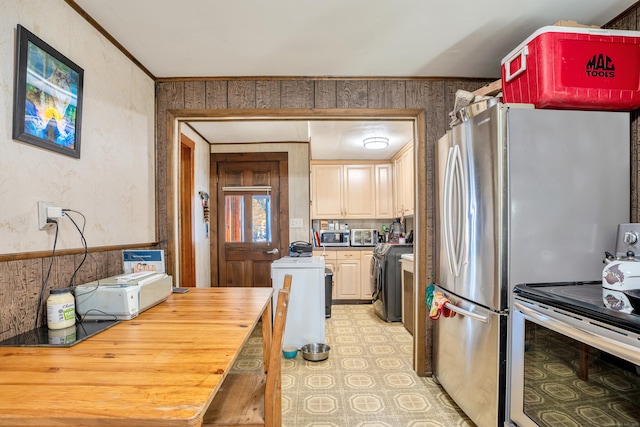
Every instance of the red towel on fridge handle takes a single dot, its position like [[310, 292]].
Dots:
[[438, 307]]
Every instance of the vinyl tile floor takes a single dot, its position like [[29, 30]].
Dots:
[[367, 381]]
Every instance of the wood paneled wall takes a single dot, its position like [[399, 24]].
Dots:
[[21, 283], [217, 97]]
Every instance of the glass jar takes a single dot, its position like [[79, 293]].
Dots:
[[61, 309]]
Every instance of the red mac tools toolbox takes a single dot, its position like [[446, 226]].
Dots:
[[575, 68]]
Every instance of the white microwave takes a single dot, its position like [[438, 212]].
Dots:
[[334, 237]]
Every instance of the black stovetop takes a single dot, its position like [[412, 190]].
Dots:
[[45, 337], [582, 298]]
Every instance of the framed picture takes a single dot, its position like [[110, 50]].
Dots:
[[47, 107]]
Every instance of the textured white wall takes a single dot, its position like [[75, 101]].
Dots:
[[113, 182]]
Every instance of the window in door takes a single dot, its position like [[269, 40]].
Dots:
[[234, 214], [260, 219]]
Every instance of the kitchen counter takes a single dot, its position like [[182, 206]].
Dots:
[[344, 248], [408, 257], [162, 368]]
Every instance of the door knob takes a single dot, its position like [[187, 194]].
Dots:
[[273, 251]]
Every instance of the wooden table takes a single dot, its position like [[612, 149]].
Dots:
[[162, 368]]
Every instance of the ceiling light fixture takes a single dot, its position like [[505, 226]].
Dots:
[[376, 143]]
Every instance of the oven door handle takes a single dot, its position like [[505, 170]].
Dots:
[[463, 312]]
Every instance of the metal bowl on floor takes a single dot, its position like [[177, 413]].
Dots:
[[315, 352]]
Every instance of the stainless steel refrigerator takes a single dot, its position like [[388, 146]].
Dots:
[[523, 196]]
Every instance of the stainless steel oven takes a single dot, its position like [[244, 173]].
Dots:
[[573, 363]]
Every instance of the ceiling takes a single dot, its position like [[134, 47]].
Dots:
[[355, 38], [329, 139]]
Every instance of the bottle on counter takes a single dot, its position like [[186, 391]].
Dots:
[[61, 309], [385, 234]]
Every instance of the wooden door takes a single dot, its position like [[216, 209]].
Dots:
[[252, 217], [187, 273]]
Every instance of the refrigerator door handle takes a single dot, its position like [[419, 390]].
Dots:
[[461, 197], [446, 210], [463, 312]]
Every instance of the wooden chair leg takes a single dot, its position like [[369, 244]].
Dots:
[[267, 330], [583, 372]]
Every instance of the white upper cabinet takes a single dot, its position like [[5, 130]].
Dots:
[[359, 191], [326, 191], [404, 181], [384, 191], [347, 190]]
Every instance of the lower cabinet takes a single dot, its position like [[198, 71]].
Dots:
[[350, 268], [330, 263], [365, 280], [348, 283], [408, 293]]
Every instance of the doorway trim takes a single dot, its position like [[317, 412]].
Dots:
[[186, 223], [176, 116]]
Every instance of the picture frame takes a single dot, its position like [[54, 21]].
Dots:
[[47, 107]]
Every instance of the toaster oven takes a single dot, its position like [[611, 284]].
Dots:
[[364, 237]]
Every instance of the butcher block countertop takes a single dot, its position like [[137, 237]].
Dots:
[[161, 368]]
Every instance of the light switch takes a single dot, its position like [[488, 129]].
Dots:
[[295, 222]]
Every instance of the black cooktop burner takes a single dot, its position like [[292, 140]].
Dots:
[[587, 293], [45, 337], [583, 298]]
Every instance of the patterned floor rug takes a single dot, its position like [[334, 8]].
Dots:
[[367, 381]]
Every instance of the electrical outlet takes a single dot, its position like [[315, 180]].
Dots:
[[42, 215], [295, 223], [46, 211]]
